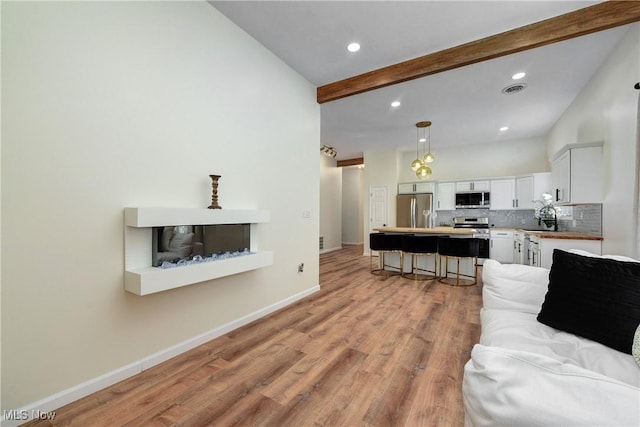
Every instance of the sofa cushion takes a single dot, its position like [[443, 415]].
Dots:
[[596, 298], [513, 286], [521, 331], [504, 387]]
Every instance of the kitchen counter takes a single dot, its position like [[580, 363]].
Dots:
[[560, 235], [434, 230]]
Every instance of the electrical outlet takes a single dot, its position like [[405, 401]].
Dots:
[[301, 267]]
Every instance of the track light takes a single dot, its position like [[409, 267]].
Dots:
[[328, 151]]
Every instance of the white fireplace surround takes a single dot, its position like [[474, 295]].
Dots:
[[141, 278]]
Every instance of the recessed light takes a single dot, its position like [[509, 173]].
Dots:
[[395, 104], [504, 128], [353, 47], [518, 76]]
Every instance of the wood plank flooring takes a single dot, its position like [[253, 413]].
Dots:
[[363, 351]]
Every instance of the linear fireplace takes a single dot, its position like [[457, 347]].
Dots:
[[175, 243], [211, 232]]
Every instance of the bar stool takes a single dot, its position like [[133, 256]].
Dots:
[[385, 244], [460, 249], [420, 246]]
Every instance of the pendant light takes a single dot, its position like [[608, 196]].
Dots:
[[429, 157], [424, 171], [418, 161]]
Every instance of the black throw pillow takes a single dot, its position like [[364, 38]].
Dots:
[[595, 298]]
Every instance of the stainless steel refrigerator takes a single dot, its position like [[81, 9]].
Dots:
[[415, 210]]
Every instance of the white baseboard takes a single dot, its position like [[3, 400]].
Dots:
[[352, 243], [49, 404], [324, 251]]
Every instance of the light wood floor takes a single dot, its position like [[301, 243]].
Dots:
[[365, 350]]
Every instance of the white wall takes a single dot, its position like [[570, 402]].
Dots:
[[330, 204], [515, 157], [352, 205], [114, 104], [606, 110], [381, 169]]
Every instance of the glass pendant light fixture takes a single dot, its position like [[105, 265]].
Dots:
[[423, 171], [418, 161], [429, 157]]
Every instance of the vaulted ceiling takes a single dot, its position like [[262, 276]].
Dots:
[[465, 102]]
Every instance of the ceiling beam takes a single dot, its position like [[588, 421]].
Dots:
[[351, 162], [599, 17]]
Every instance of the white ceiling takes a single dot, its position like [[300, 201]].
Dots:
[[465, 105]]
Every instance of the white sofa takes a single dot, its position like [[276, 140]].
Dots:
[[525, 373]]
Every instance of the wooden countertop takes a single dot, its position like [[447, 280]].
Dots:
[[561, 235], [434, 230]]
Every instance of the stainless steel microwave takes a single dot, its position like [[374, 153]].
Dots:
[[473, 200]]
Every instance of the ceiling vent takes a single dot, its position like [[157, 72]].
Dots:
[[515, 88]]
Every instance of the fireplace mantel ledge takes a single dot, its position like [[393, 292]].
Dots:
[[141, 278], [159, 217]]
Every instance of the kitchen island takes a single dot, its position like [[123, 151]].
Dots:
[[432, 263]]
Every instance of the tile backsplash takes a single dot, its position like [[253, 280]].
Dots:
[[587, 219]]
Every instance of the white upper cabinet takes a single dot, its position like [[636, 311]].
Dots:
[[503, 194], [577, 175], [561, 178], [472, 186], [530, 188], [446, 196], [424, 187], [416, 187], [406, 188]]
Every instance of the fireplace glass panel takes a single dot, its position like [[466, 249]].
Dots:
[[183, 242]]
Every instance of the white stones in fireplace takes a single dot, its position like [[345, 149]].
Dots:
[[141, 278]]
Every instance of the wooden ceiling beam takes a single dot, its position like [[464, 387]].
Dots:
[[351, 162], [599, 17]]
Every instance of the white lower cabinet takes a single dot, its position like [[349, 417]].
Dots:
[[533, 251], [519, 248], [501, 246], [541, 249]]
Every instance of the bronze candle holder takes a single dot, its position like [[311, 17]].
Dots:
[[214, 192]]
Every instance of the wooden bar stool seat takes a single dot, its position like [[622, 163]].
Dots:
[[416, 247], [459, 249]]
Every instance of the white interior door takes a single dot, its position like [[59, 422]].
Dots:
[[378, 206]]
